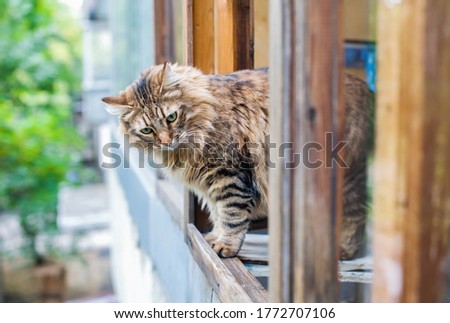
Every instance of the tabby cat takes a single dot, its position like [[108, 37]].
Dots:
[[210, 130]]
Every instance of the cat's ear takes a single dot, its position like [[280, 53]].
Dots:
[[163, 76], [168, 76], [117, 104]]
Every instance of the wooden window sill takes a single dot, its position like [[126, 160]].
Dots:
[[229, 277]]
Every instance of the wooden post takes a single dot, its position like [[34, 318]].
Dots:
[[203, 35], [412, 174], [198, 32], [164, 32], [234, 35], [306, 101], [280, 269], [187, 32]]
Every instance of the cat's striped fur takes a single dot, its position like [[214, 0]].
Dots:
[[216, 145]]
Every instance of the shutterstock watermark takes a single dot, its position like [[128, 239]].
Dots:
[[199, 154]]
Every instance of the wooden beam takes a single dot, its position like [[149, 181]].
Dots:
[[226, 50], [280, 286], [198, 31], [203, 35], [164, 32], [188, 37], [244, 33], [234, 35], [307, 102], [412, 174]]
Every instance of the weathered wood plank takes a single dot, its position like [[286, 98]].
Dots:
[[412, 174], [229, 278], [305, 201], [247, 280]]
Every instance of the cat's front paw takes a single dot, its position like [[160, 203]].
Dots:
[[211, 238], [225, 250], [224, 247]]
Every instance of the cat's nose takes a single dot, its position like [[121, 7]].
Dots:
[[165, 137]]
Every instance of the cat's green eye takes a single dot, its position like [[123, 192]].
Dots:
[[172, 117], [147, 130]]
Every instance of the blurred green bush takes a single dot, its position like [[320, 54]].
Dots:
[[40, 68]]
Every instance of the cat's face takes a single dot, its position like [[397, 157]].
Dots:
[[167, 105], [161, 126]]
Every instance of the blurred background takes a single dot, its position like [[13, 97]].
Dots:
[[58, 208], [54, 236]]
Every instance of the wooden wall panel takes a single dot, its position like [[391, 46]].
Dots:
[[412, 173]]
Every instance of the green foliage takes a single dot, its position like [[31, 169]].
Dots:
[[40, 74]]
